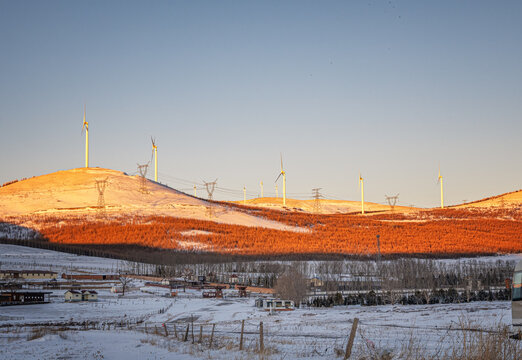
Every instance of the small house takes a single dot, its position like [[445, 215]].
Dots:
[[73, 295], [275, 304], [89, 295]]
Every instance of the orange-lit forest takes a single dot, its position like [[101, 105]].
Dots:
[[435, 232]]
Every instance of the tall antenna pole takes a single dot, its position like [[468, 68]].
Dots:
[[361, 184], [86, 126], [155, 150], [441, 191], [261, 183], [244, 195], [284, 188], [156, 164]]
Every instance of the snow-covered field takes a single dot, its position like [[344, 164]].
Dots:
[[131, 327]]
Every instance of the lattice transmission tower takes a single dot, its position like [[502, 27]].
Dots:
[[142, 169], [210, 186], [392, 200], [101, 185], [317, 200]]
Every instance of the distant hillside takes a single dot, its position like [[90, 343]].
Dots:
[[507, 200], [326, 206]]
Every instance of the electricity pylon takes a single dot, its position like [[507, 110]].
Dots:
[[143, 180], [392, 200], [100, 186], [210, 186], [317, 200]]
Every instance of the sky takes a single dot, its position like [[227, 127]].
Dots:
[[390, 89]]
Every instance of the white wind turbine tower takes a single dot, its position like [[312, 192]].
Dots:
[[155, 151], [244, 195], [85, 126], [284, 181], [261, 184], [277, 191], [361, 185], [439, 179]]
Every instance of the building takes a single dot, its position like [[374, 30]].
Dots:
[[89, 295], [17, 297], [28, 274], [90, 276], [274, 304], [73, 295]]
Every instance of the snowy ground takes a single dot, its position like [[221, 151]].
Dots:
[[14, 257], [131, 327]]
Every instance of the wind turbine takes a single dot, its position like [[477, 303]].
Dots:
[[195, 191], [85, 126], [244, 195], [277, 192], [284, 181], [361, 185], [155, 150], [441, 190], [261, 183]]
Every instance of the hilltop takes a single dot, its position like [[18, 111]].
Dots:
[[73, 193]]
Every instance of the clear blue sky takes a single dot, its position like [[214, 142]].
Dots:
[[387, 88]]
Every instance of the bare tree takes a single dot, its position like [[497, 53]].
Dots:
[[292, 284], [125, 281]]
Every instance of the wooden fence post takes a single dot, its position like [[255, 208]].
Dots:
[[241, 338], [166, 332], [193, 332], [212, 336], [175, 331], [261, 340], [350, 339], [200, 333], [186, 333]]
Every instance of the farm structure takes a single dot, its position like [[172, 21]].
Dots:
[[275, 304], [16, 297], [90, 276], [28, 274], [80, 295]]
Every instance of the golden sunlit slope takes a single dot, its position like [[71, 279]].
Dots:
[[326, 206], [73, 192], [507, 200]]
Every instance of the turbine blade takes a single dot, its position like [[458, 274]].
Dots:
[[281, 161], [278, 176]]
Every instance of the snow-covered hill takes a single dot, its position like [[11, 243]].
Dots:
[[74, 193]]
